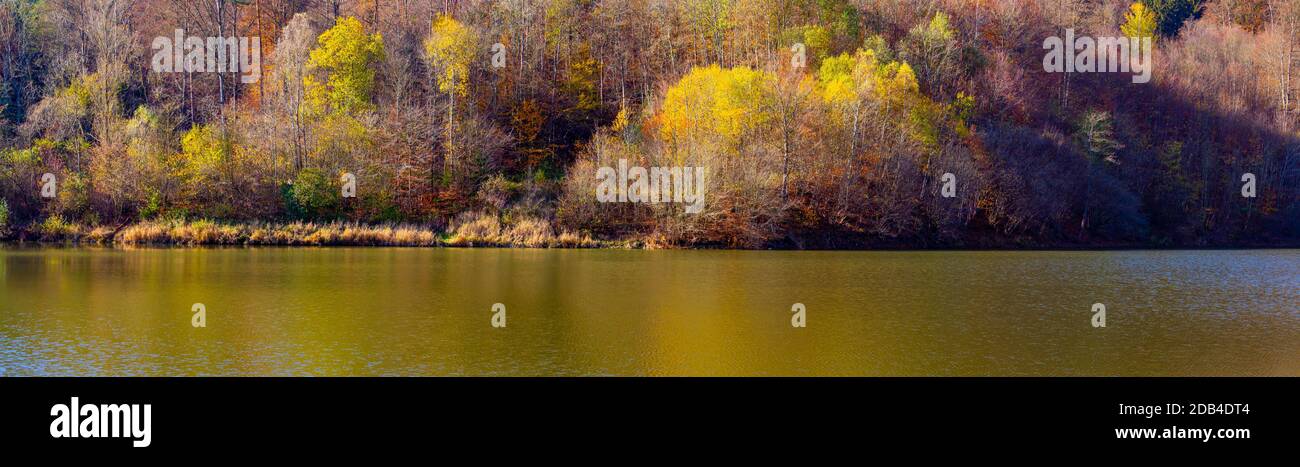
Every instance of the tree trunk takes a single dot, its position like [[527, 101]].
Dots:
[[261, 90]]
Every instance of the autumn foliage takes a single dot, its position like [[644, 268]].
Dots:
[[827, 123]]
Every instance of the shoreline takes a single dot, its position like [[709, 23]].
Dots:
[[481, 233], [205, 233]]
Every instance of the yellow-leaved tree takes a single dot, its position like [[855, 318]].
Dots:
[[853, 84], [725, 121], [347, 56], [450, 48], [1139, 22], [845, 80], [715, 102]]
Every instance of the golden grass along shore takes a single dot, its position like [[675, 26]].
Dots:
[[474, 230]]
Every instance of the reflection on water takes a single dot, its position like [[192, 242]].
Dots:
[[382, 311]]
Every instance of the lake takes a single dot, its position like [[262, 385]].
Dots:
[[410, 311]]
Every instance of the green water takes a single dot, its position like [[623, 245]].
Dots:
[[393, 311]]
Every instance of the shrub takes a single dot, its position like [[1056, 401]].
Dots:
[[496, 192], [55, 228], [315, 195]]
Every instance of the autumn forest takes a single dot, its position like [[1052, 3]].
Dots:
[[821, 123]]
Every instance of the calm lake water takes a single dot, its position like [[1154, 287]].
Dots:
[[395, 311]]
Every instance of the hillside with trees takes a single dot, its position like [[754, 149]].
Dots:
[[822, 123]]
